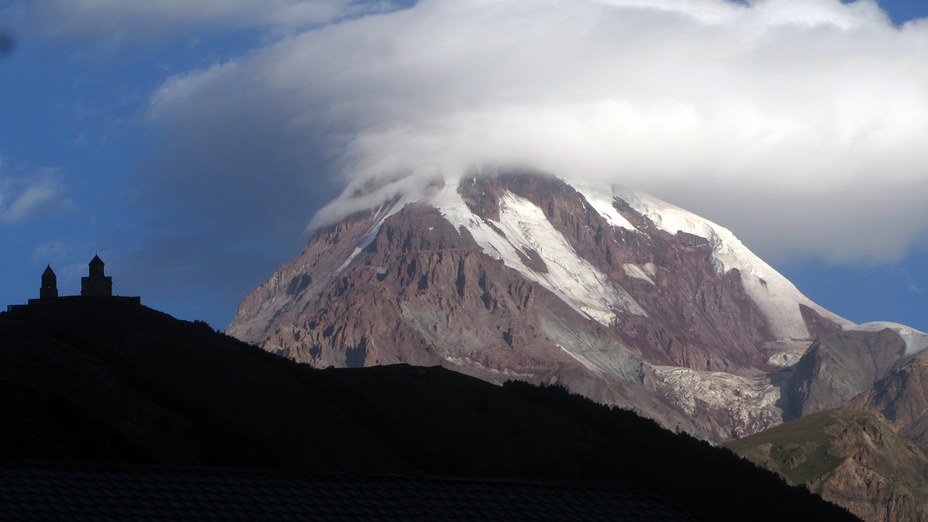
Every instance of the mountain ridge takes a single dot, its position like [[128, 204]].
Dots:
[[613, 294], [522, 275]]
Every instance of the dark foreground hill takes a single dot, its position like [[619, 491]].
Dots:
[[106, 382]]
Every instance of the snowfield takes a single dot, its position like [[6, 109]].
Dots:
[[915, 340], [777, 298], [523, 227]]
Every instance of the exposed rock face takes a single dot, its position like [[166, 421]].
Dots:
[[616, 295], [861, 458], [901, 398], [850, 458], [880, 368], [841, 365]]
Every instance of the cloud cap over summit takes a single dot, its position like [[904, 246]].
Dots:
[[221, 129], [767, 116]]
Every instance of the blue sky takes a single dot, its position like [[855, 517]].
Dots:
[[190, 144]]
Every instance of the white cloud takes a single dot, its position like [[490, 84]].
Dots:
[[814, 110], [25, 198]]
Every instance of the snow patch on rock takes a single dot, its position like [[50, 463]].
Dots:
[[522, 226], [639, 272], [383, 212], [776, 297], [915, 340], [600, 197], [584, 287]]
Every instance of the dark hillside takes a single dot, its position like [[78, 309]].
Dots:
[[101, 381], [113, 383]]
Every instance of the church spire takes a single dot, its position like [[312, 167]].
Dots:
[[49, 289], [97, 283]]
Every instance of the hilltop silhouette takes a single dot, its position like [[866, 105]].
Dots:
[[97, 285], [109, 381]]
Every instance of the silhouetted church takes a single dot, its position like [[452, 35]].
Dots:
[[49, 288], [97, 285]]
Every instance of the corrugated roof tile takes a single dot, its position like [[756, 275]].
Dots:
[[102, 493]]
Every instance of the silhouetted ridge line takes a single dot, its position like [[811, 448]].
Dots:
[[96, 285], [100, 381]]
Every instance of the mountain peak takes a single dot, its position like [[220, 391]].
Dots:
[[525, 275]]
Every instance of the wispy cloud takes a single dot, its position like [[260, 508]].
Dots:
[[119, 21], [24, 198], [911, 285]]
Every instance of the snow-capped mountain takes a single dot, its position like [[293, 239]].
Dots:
[[612, 293]]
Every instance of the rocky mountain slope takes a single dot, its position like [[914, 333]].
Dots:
[[849, 457], [618, 296], [901, 398], [880, 368], [98, 380], [860, 439], [621, 297], [839, 366]]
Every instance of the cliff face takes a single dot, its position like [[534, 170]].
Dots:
[[879, 368], [841, 365], [901, 399], [620, 297], [851, 458], [868, 454]]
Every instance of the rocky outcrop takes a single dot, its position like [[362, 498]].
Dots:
[[901, 399], [841, 365], [524, 276], [860, 455], [850, 458], [880, 368]]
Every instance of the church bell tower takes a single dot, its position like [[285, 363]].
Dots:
[[49, 288], [97, 284]]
